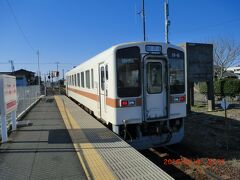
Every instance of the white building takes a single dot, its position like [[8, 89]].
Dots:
[[235, 70]]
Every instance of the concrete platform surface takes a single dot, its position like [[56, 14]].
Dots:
[[43, 150], [65, 142], [121, 161]]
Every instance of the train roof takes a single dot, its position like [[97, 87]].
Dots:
[[123, 45]]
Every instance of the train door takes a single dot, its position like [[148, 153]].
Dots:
[[155, 83], [102, 86]]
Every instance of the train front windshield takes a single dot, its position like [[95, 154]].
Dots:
[[176, 71], [128, 72]]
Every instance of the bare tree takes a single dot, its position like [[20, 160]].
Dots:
[[226, 53]]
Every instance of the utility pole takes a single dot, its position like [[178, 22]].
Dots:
[[167, 21], [12, 66], [38, 69], [57, 74], [143, 19], [57, 63], [45, 85]]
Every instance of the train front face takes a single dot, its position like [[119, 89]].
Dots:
[[150, 86]]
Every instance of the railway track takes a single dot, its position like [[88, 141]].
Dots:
[[182, 165]]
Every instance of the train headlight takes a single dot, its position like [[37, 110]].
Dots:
[[124, 103], [131, 102], [182, 98]]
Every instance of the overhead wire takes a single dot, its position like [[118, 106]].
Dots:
[[211, 26], [19, 26]]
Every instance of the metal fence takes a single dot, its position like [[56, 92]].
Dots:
[[26, 96], [202, 99]]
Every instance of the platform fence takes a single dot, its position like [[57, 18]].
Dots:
[[26, 96]]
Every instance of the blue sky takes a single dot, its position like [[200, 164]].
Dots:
[[71, 31]]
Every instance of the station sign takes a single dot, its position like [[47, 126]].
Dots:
[[199, 61], [8, 94]]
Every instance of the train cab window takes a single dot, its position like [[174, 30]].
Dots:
[[82, 79], [176, 71], [106, 69], [78, 79], [75, 80], [102, 79], [128, 72], [87, 79], [92, 78], [154, 77]]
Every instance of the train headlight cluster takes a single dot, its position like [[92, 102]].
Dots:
[[126, 103], [177, 99]]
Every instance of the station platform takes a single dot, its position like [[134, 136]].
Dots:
[[65, 142]]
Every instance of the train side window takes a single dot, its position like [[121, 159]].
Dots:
[[72, 80], [78, 79], [102, 79], [92, 78], [75, 79], [106, 69], [87, 79], [82, 79]]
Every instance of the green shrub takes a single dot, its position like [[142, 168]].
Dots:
[[217, 87], [231, 87], [202, 87], [224, 87]]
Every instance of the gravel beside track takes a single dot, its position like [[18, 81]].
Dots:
[[209, 150]]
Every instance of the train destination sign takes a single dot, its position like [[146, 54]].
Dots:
[[154, 49], [8, 94]]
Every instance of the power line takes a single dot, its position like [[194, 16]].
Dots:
[[211, 26], [19, 26]]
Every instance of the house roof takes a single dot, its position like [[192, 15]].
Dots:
[[19, 72], [23, 72], [229, 74]]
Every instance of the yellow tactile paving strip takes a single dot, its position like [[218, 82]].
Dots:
[[93, 164]]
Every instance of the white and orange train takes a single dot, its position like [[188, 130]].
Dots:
[[137, 89]]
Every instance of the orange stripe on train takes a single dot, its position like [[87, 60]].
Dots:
[[109, 101]]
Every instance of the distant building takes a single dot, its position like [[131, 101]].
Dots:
[[23, 77], [228, 74], [235, 70], [231, 72]]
